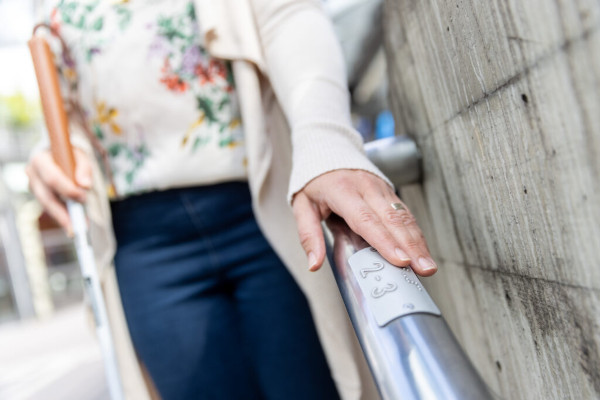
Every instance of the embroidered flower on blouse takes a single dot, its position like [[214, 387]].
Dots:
[[186, 95], [87, 17], [107, 116]]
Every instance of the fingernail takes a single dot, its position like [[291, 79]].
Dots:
[[401, 254], [312, 260], [427, 264], [69, 232]]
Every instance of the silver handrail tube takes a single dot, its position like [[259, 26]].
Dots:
[[397, 157], [415, 356]]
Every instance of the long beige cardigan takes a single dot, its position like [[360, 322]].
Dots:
[[291, 83]]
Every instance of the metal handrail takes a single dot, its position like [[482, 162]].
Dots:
[[413, 356], [410, 349], [397, 157]]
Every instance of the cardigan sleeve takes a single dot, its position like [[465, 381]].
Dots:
[[306, 69]]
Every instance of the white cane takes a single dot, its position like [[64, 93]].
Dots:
[[62, 152]]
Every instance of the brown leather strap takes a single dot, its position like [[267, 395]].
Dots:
[[52, 105]]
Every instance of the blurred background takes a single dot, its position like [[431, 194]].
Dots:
[[45, 338], [47, 349]]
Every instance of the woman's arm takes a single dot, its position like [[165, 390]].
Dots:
[[330, 171]]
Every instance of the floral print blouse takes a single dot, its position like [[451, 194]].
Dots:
[[163, 109]]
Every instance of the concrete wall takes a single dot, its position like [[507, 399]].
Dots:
[[503, 98]]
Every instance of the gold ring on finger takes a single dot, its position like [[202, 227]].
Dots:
[[398, 206]]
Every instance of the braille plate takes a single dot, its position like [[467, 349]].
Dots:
[[391, 292]]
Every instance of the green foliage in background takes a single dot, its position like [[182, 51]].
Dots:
[[18, 112]]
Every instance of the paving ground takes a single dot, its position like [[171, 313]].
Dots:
[[57, 358]]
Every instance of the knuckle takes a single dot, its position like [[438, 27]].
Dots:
[[365, 216], [408, 218], [411, 245], [306, 238], [394, 218], [346, 189], [400, 218], [370, 184], [345, 181]]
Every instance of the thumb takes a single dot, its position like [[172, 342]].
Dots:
[[83, 169], [308, 221]]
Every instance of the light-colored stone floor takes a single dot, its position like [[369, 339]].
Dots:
[[57, 358]]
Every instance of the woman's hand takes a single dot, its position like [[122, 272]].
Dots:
[[364, 201], [50, 185]]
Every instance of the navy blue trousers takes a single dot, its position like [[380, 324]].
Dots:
[[213, 313]]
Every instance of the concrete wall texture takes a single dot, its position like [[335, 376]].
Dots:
[[503, 99]]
